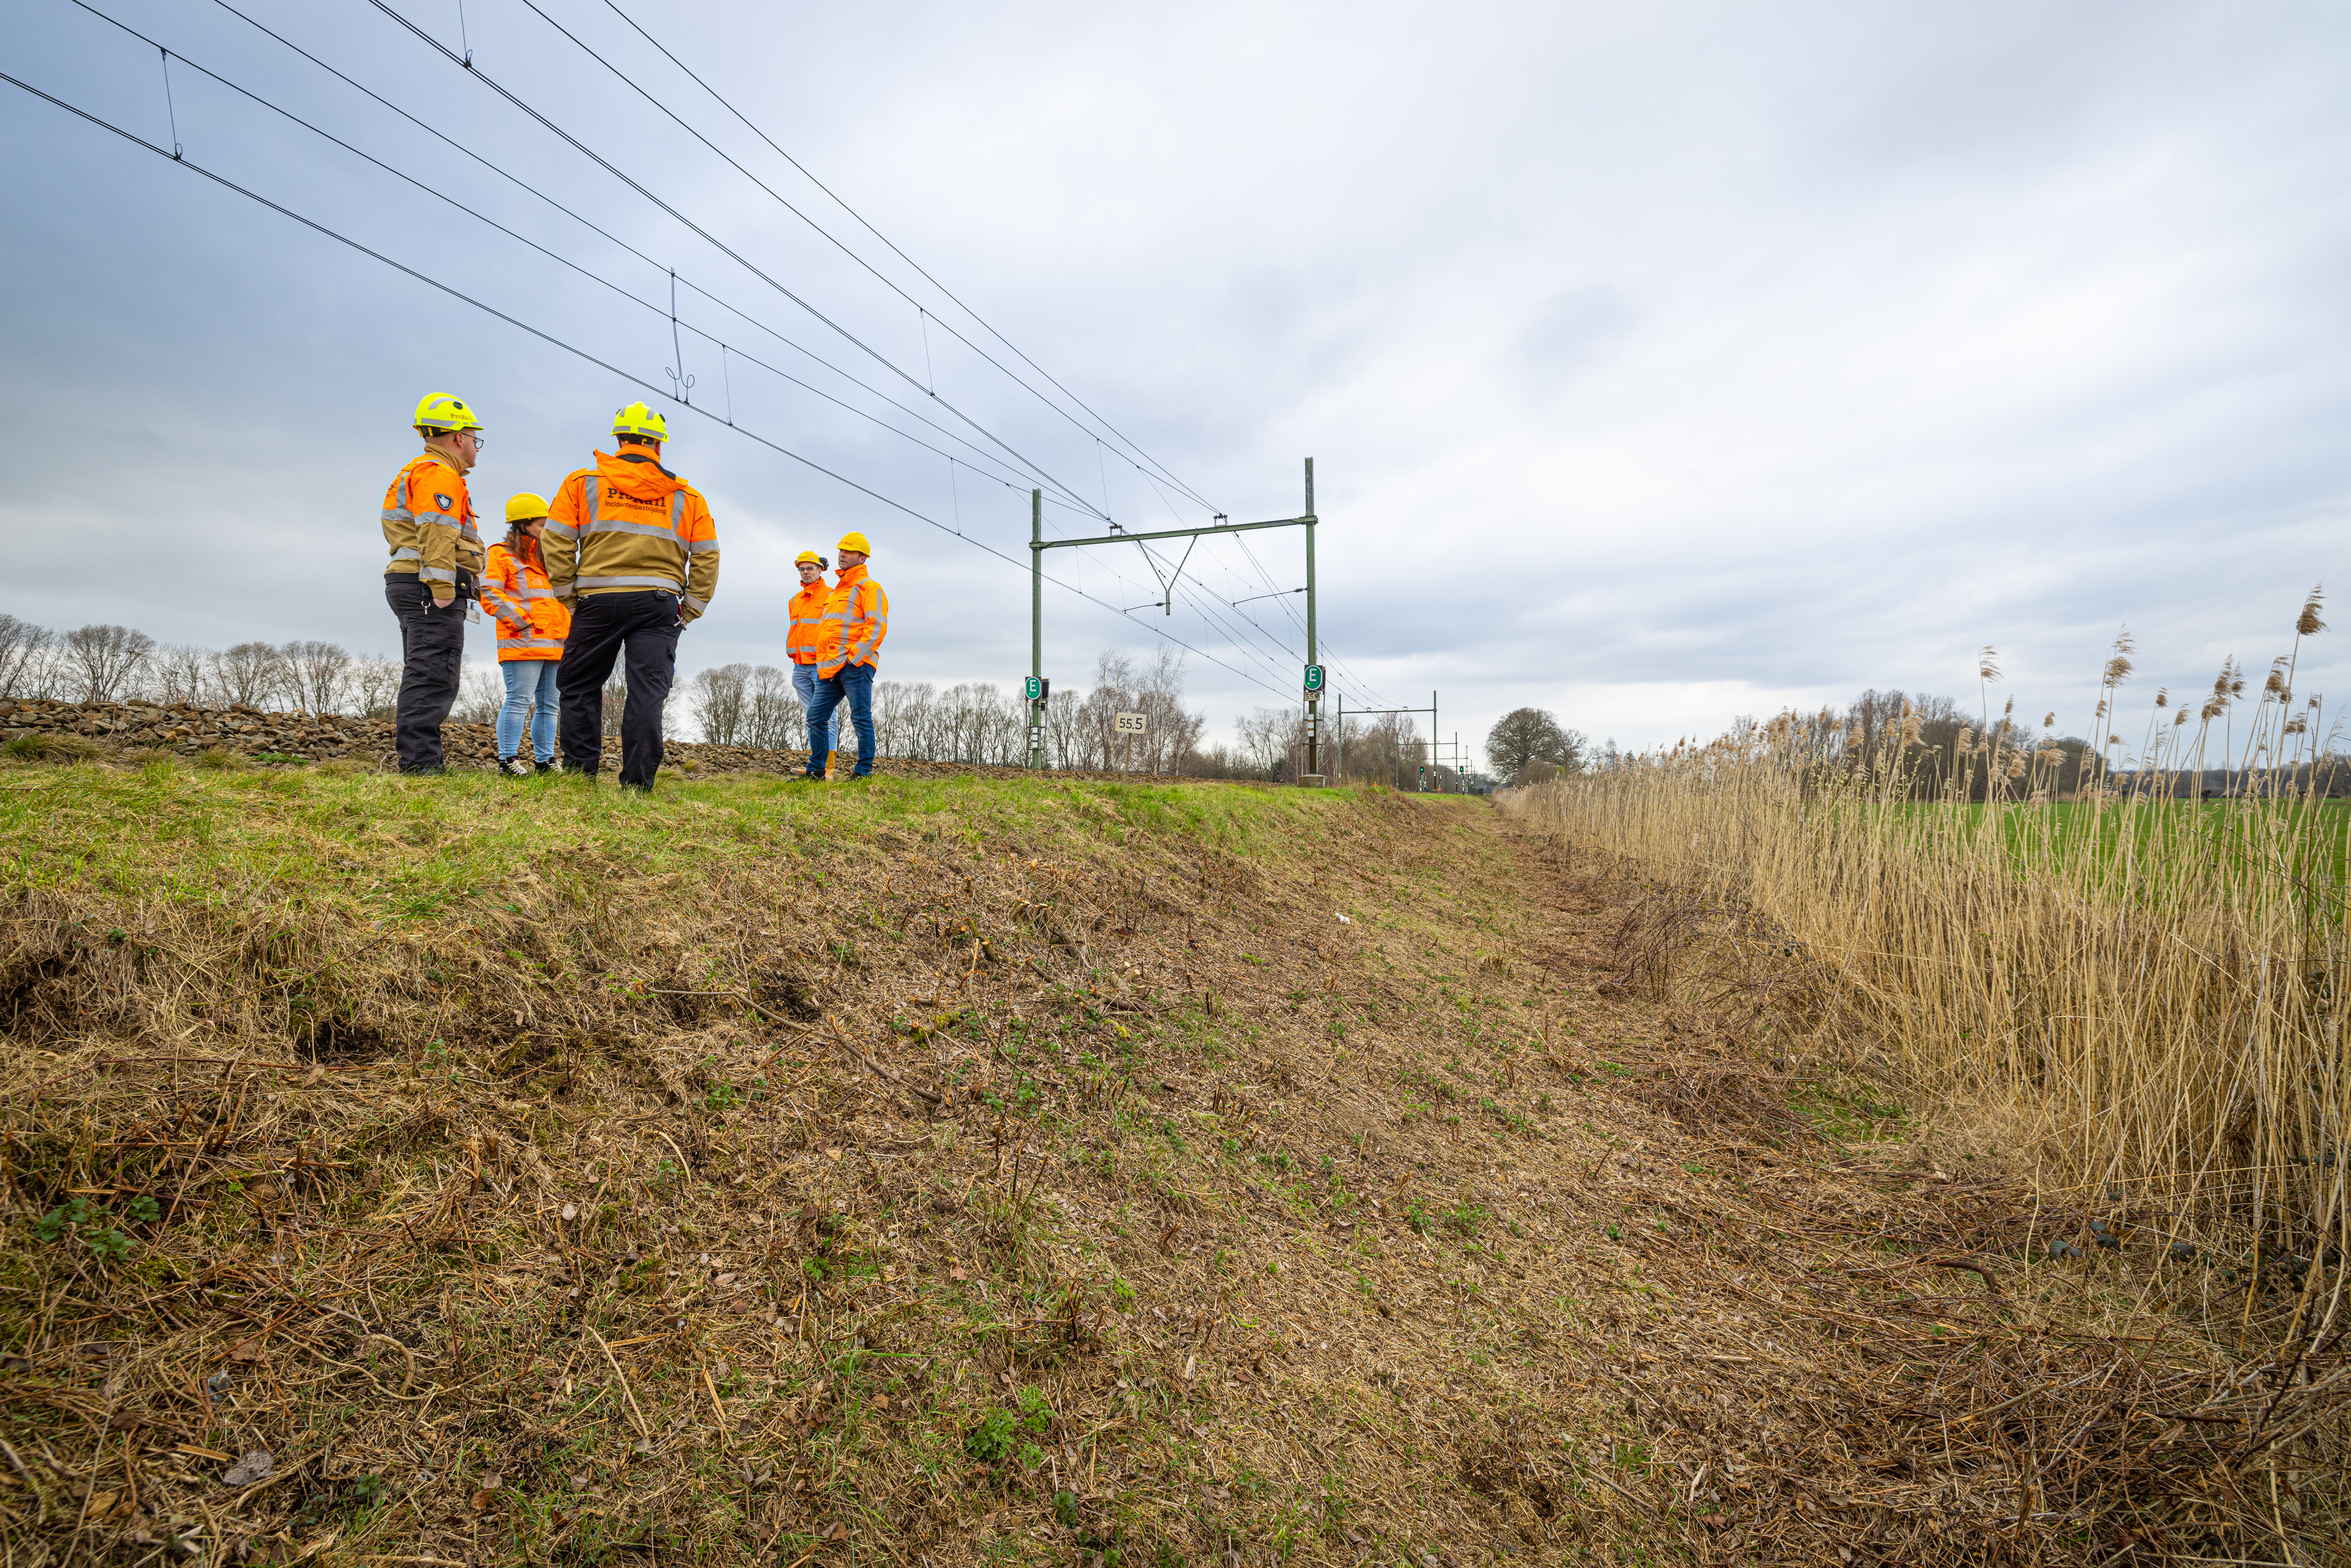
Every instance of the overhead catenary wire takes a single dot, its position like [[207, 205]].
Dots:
[[1015, 348], [1195, 595], [553, 340], [441, 195], [1020, 460], [1238, 640], [593, 227]]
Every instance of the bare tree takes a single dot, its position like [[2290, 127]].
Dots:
[[27, 659], [104, 663], [316, 674], [616, 697], [1271, 739], [719, 701], [375, 687], [772, 715], [1385, 749], [177, 673], [251, 674], [480, 692]]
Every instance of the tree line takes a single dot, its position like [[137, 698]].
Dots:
[[976, 721], [749, 704], [107, 664]]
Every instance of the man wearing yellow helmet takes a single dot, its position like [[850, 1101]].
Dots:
[[856, 619], [803, 642], [633, 547], [436, 559]]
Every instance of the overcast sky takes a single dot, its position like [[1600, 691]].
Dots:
[[1661, 364]]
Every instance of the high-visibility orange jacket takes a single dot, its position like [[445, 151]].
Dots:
[[805, 640], [628, 525], [532, 623], [856, 619], [428, 522]]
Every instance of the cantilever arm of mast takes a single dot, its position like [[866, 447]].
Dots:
[[1175, 533]]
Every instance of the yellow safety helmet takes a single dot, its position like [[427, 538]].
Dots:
[[808, 556], [856, 542], [639, 421], [526, 507], [439, 412]]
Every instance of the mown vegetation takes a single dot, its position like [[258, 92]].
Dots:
[[991, 1171]]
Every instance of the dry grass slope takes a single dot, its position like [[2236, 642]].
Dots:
[[966, 1171]]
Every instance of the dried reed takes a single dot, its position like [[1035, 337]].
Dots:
[[2147, 982]]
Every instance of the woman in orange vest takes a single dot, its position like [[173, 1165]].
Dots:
[[532, 625]]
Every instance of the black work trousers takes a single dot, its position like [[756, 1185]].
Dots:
[[640, 631], [431, 656]]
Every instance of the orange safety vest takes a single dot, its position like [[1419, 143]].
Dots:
[[856, 619], [428, 521], [629, 524], [532, 621], [805, 640]]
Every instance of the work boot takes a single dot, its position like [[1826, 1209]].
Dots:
[[513, 767]]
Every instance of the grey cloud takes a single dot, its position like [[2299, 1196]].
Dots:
[[1658, 366], [1570, 332]]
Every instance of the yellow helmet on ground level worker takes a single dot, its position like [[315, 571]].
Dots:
[[439, 411], [856, 542], [807, 558], [526, 507], [639, 421]]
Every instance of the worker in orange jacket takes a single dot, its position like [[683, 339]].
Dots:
[[532, 625], [633, 547], [436, 555], [803, 643], [856, 619]]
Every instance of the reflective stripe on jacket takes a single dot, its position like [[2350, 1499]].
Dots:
[[628, 525], [805, 641], [428, 522], [532, 621], [856, 619]]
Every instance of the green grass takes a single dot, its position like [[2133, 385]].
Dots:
[[2168, 845], [396, 850]]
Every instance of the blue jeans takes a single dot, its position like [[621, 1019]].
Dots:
[[804, 684], [530, 697], [853, 684]]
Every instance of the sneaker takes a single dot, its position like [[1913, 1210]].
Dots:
[[547, 767], [513, 767]]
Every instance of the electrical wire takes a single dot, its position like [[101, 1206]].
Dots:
[[1020, 460], [587, 223], [1362, 687], [554, 341], [901, 255]]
